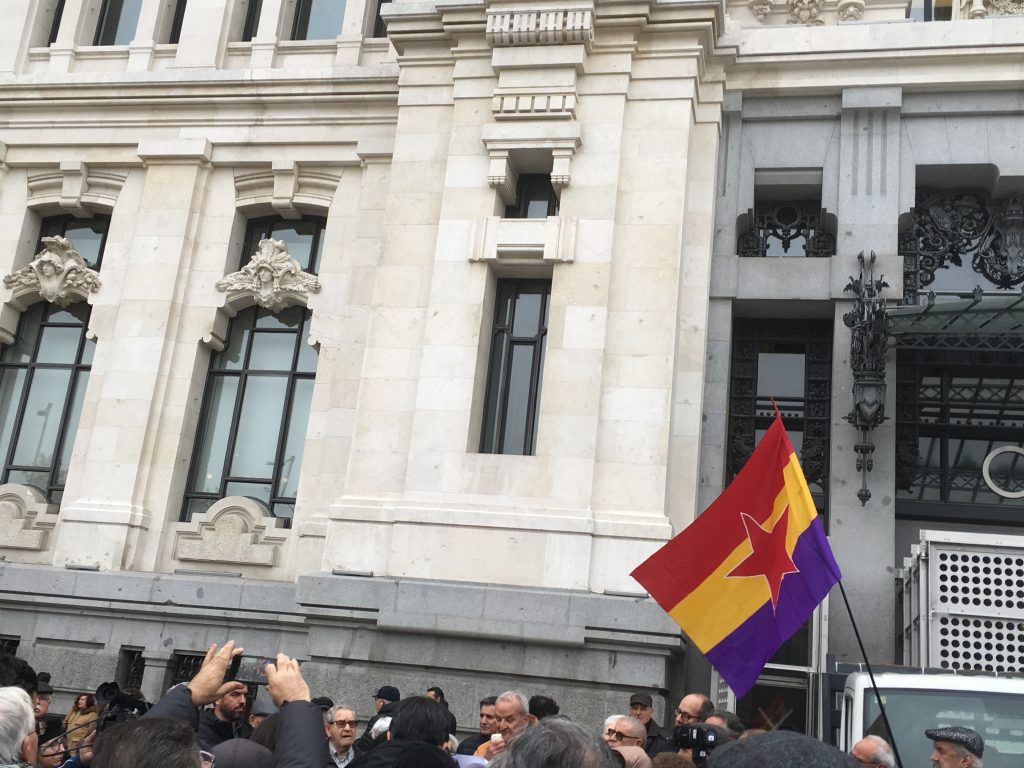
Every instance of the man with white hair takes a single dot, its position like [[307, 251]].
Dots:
[[19, 742], [624, 731], [512, 714], [874, 751]]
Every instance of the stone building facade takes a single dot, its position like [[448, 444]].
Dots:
[[395, 336]]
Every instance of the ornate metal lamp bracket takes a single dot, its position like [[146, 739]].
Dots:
[[868, 337]]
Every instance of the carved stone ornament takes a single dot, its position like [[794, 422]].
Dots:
[[761, 9], [804, 12], [1007, 7], [540, 27], [273, 278], [26, 518], [57, 274], [850, 10], [236, 530]]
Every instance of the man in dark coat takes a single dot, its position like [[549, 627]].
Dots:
[[641, 706], [419, 730], [226, 720]]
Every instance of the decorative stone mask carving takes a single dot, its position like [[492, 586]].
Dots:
[[761, 9], [1008, 7], [273, 278], [804, 12], [58, 274]]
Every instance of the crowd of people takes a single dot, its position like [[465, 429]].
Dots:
[[203, 724]]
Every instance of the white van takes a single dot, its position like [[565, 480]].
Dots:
[[992, 706]]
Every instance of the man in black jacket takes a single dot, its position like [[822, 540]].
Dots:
[[419, 729], [226, 720], [641, 706]]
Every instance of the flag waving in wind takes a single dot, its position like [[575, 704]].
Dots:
[[746, 574]]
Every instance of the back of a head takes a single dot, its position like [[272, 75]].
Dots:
[[543, 706], [16, 720], [419, 754], [242, 753], [17, 673], [154, 742], [779, 749], [420, 718], [555, 743]]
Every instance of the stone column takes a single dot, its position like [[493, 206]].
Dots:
[[62, 52], [145, 277], [203, 33], [155, 675], [869, 213], [264, 44]]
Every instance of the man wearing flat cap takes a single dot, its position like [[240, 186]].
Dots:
[[641, 706], [955, 747]]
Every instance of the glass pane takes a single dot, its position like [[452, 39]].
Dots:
[[11, 382], [28, 331], [780, 374], [291, 459], [285, 319], [259, 491], [41, 419], [776, 246], [40, 480], [518, 400], [214, 444], [232, 358], [198, 506], [88, 350], [527, 314], [259, 427], [495, 386], [284, 511], [298, 236], [272, 352], [59, 345], [82, 381], [325, 19], [88, 236], [72, 313], [307, 352]]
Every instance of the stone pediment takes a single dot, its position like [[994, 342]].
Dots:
[[272, 279], [236, 530], [57, 274], [26, 518]]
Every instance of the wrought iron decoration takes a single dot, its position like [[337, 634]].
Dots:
[[867, 325], [789, 223], [947, 226]]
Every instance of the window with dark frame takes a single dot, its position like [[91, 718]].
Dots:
[[787, 229], [317, 19], [176, 21], [535, 198], [259, 388], [379, 27], [44, 373], [58, 12], [518, 337], [118, 20], [131, 667], [9, 644], [252, 20]]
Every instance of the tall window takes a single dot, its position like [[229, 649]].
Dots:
[[117, 22], [252, 430], [517, 361], [379, 28], [252, 20], [58, 12], [44, 374], [790, 361], [535, 198], [176, 21], [317, 19]]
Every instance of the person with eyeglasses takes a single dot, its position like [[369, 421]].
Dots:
[[19, 741], [625, 731], [693, 708], [341, 735], [874, 751]]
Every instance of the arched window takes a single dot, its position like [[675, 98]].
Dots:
[[258, 393]]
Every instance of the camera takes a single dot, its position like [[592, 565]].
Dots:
[[120, 706], [699, 739]]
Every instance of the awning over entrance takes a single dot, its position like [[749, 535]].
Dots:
[[981, 322]]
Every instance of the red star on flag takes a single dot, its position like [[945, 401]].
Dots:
[[769, 558]]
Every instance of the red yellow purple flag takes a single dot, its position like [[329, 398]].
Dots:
[[746, 574]]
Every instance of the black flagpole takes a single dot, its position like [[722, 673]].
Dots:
[[871, 675]]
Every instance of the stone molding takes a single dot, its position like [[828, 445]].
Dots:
[[540, 27], [272, 279], [26, 518], [236, 530], [526, 241], [75, 187], [530, 105], [57, 274], [286, 188]]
